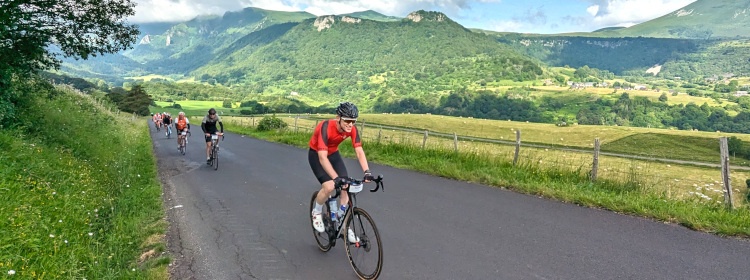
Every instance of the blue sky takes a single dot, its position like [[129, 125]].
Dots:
[[525, 16]]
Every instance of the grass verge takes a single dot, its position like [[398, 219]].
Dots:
[[623, 196], [79, 194]]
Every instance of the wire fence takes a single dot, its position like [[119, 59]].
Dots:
[[674, 179]]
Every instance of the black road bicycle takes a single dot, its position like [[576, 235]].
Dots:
[[363, 245], [214, 154], [184, 141]]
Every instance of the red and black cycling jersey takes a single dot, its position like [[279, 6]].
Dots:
[[327, 136]]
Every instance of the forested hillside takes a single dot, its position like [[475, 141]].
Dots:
[[354, 57], [633, 56]]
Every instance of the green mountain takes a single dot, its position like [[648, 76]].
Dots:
[[426, 52], [701, 19], [186, 46], [704, 39]]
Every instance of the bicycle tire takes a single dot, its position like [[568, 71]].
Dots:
[[358, 252], [215, 160], [322, 238], [183, 147]]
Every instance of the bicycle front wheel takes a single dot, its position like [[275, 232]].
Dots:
[[215, 160], [364, 248], [322, 238]]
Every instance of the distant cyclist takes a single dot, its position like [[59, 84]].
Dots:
[[167, 121], [208, 124], [157, 121], [181, 124], [325, 159]]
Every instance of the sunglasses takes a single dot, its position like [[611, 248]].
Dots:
[[349, 121]]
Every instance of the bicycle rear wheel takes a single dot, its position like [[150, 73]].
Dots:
[[182, 146], [365, 256], [322, 238]]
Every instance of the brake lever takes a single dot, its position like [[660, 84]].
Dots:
[[378, 183]]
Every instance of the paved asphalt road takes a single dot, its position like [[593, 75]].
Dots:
[[250, 220]]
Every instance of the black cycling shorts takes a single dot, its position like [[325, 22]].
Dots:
[[336, 161], [208, 138]]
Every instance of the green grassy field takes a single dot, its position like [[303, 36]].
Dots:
[[79, 196]]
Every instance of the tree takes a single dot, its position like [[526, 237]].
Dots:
[[35, 32], [663, 97], [227, 104], [136, 101]]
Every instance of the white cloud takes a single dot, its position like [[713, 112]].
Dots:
[[630, 12], [593, 10], [171, 10], [506, 26]]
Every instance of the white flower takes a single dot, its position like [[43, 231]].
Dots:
[[91, 234], [139, 175], [52, 235], [54, 193], [11, 272], [66, 241], [60, 221]]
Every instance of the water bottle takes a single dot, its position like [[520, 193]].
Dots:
[[342, 211], [332, 207]]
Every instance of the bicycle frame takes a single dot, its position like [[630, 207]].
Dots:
[[351, 205]]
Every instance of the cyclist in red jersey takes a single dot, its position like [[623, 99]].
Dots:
[[326, 162]]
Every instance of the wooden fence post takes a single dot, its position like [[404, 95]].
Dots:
[[295, 123], [724, 148], [380, 131], [518, 147], [253, 121], [363, 129], [595, 166], [455, 142], [424, 141]]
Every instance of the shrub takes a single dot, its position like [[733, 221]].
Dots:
[[245, 112], [269, 123]]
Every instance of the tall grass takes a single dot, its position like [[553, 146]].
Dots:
[[625, 195], [79, 196]]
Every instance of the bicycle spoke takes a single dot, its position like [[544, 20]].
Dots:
[[365, 256]]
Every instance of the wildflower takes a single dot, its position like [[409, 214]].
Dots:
[[91, 234], [11, 272], [66, 241]]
